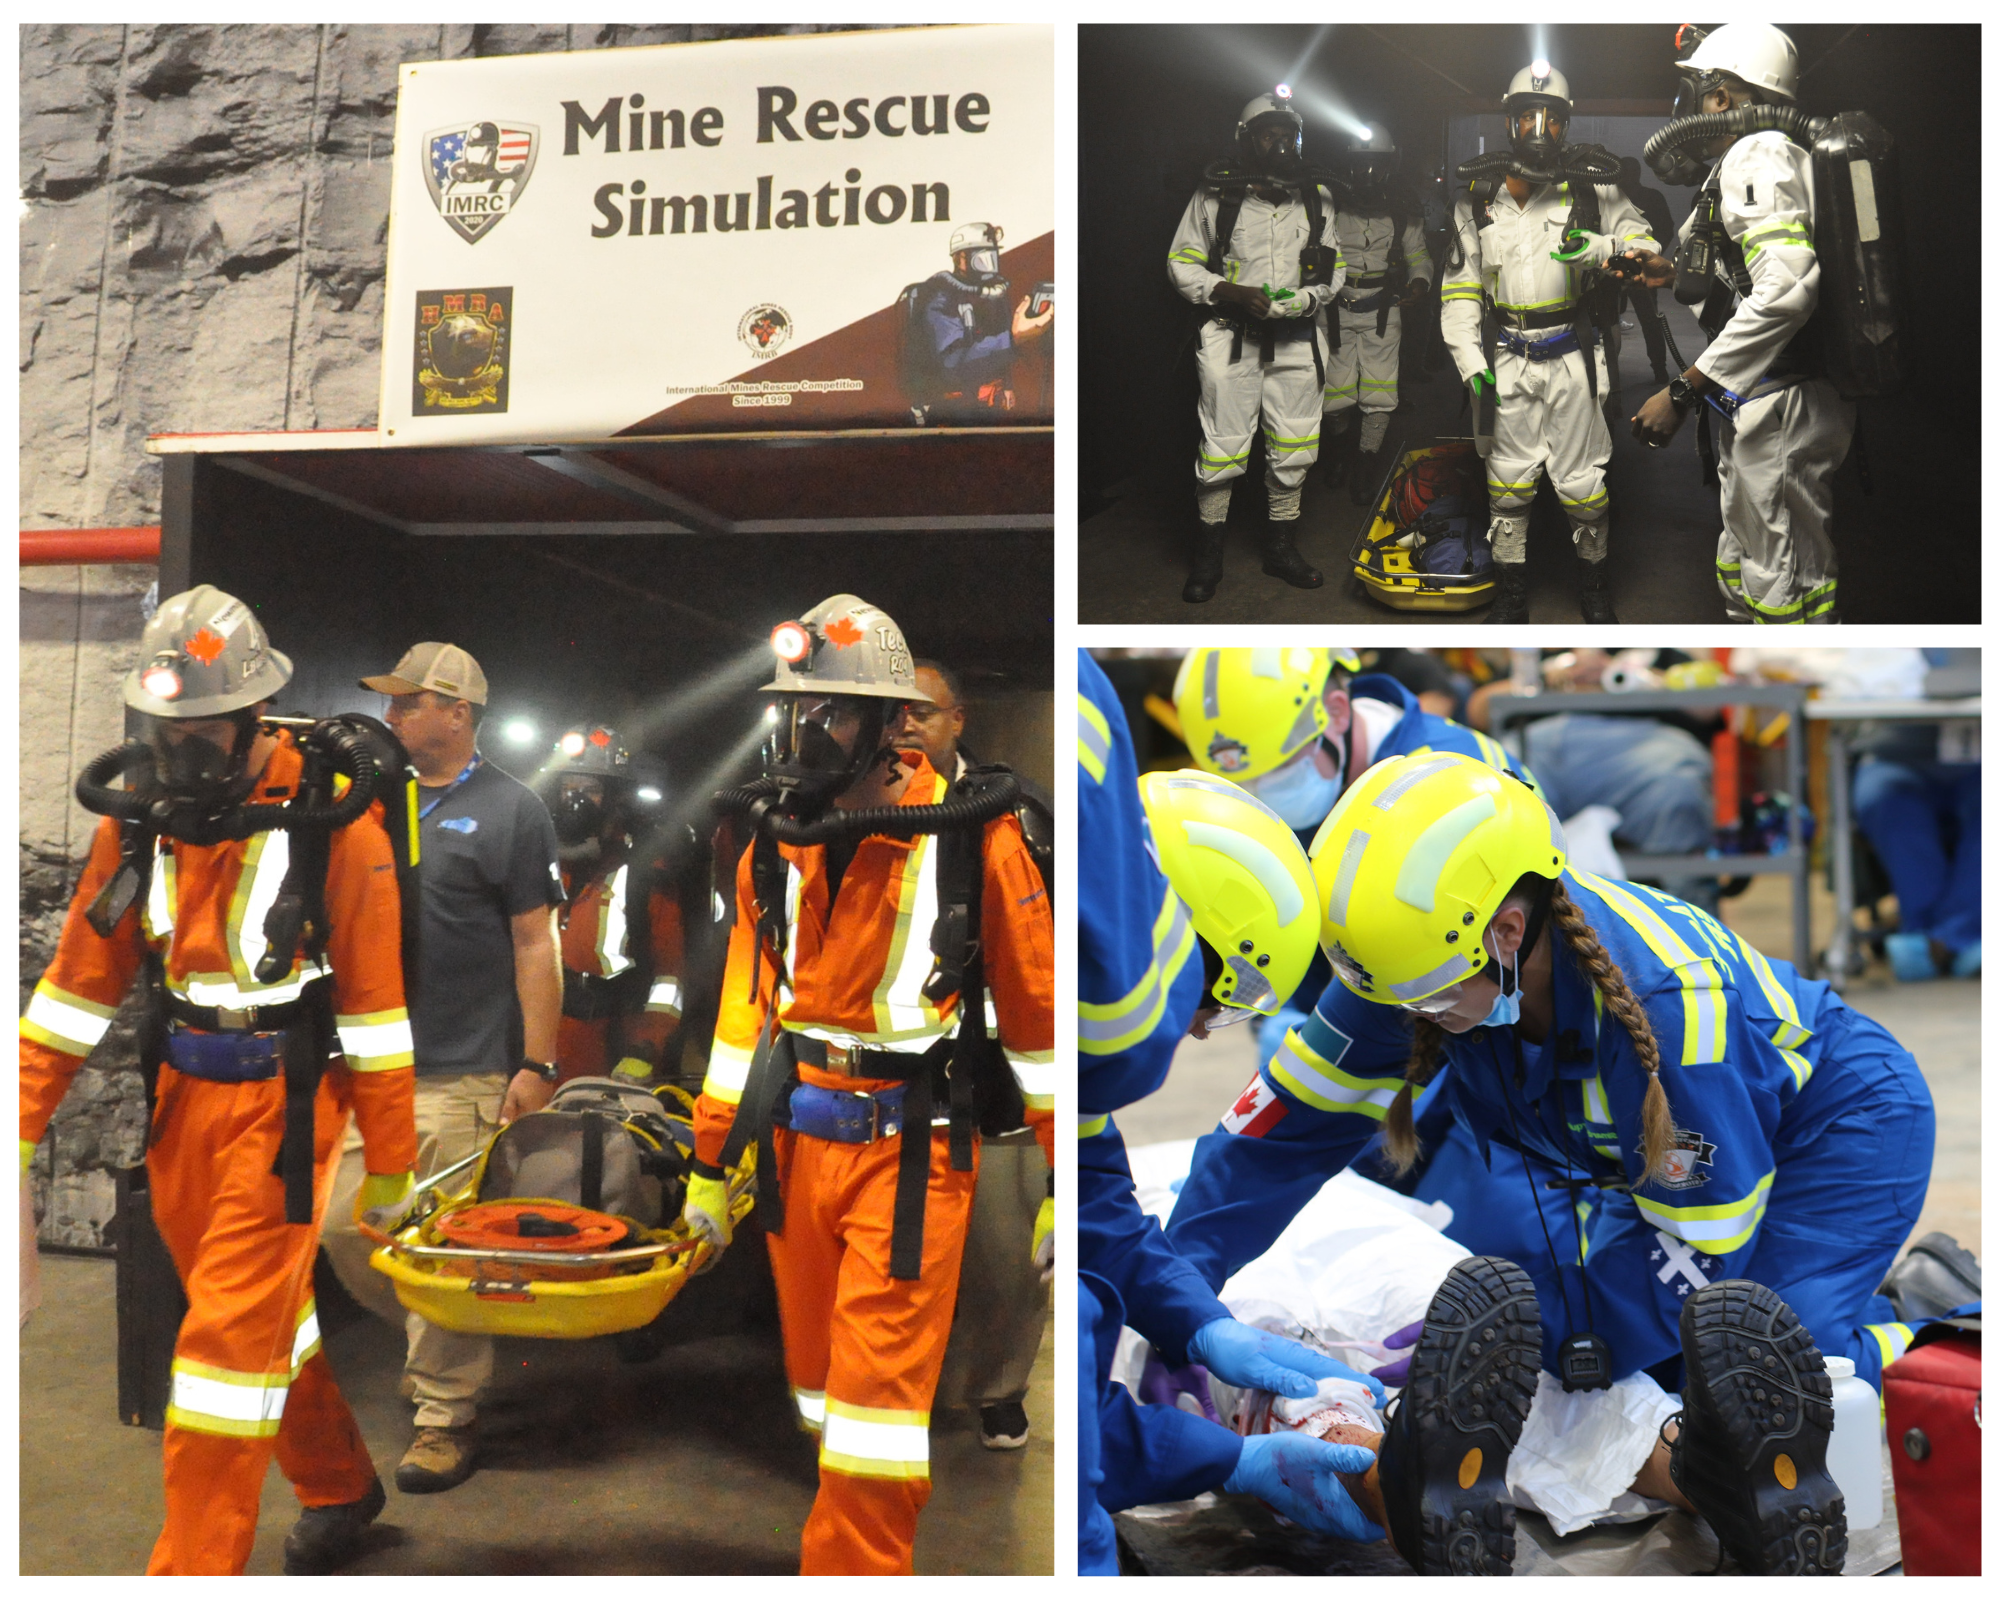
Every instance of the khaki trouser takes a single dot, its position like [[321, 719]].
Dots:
[[455, 1118], [1003, 1304]]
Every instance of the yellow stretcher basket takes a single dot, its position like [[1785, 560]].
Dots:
[[1382, 566], [501, 1291]]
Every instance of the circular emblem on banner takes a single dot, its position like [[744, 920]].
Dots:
[[766, 330]]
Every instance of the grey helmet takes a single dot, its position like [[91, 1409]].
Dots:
[[1538, 87], [580, 810], [842, 668], [204, 654], [591, 752]]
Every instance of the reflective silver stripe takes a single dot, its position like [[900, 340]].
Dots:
[[376, 1046], [665, 995], [265, 858], [160, 893], [213, 989], [306, 1340], [1424, 863], [1454, 969], [1256, 858], [1304, 728], [812, 1407], [611, 929], [66, 1019], [1211, 680], [1234, 793], [1265, 662], [1093, 739], [1408, 780], [1343, 882], [1122, 1022]]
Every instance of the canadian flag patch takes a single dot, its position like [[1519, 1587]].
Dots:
[[1257, 1110]]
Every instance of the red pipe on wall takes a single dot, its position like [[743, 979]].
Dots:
[[63, 547]]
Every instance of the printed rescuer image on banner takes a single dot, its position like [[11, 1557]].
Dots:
[[835, 230]]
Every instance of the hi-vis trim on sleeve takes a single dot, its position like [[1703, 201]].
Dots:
[[1092, 1127], [1035, 1073], [1892, 1338], [1790, 1032], [242, 1405], [870, 1442], [1304, 1072], [1704, 999], [1093, 739], [1491, 751], [65, 1021], [1717, 1229], [728, 1071], [1104, 1030], [305, 1342], [812, 1408], [665, 995], [1193, 256], [377, 1041]]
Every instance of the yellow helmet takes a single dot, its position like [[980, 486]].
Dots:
[[1413, 861], [1247, 884], [1247, 712]]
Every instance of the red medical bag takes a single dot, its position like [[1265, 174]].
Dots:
[[1932, 1396]]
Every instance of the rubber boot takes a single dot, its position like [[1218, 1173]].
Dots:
[[1596, 594], [1282, 558], [1204, 563], [1366, 478], [1511, 604], [1938, 1276], [1444, 1452], [1757, 1414]]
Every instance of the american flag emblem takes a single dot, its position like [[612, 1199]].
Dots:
[[1257, 1110], [477, 171]]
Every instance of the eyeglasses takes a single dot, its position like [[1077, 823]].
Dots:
[[1435, 1005]]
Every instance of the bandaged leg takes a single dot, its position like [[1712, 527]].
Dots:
[[1374, 428], [1591, 534], [1211, 502], [1508, 532], [1341, 1412], [1284, 502]]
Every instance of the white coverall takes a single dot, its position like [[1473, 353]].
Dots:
[[1545, 418], [1775, 561], [1264, 249], [1363, 369]]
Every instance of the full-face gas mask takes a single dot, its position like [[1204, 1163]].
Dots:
[[1270, 136], [822, 744], [201, 762], [580, 809]]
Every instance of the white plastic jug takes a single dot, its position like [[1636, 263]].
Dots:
[[1854, 1455]]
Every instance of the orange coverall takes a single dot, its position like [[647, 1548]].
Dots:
[[596, 942], [249, 1379], [862, 1349]]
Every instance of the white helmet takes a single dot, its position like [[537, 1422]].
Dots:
[[1756, 52], [975, 236], [1539, 79], [1376, 139], [1273, 104]]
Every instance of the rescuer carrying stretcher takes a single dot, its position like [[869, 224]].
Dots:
[[248, 875], [845, 1021]]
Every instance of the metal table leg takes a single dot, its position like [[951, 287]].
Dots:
[[1841, 963]]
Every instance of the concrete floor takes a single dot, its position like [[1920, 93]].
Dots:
[[1131, 555], [1937, 1022], [689, 1464]]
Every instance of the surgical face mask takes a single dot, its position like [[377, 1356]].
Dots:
[[1507, 1004], [1297, 791]]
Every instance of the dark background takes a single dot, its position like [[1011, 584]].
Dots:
[[1155, 104]]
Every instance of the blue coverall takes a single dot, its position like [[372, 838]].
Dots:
[[1138, 982], [1804, 1132], [1418, 732]]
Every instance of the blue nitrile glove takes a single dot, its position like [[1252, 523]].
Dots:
[[1162, 1385], [1294, 1474], [1397, 1373], [1250, 1358]]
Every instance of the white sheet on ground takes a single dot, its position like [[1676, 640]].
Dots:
[[1359, 1262]]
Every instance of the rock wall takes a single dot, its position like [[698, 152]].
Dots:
[[204, 216]]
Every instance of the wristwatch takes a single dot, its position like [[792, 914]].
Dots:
[[1682, 394], [547, 1071]]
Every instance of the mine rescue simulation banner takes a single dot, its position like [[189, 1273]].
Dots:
[[743, 235]]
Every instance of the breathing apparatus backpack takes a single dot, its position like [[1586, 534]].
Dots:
[[964, 1070], [349, 762], [1855, 338], [925, 381]]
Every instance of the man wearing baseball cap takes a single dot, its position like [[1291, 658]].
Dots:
[[485, 1030]]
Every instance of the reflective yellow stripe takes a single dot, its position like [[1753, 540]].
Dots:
[[161, 898], [65, 1021], [1091, 1127], [243, 1405], [1035, 1074], [1319, 1082], [1717, 1229], [870, 1442], [1892, 1338], [812, 1408], [901, 1011], [377, 1045], [1704, 1000], [1108, 1028], [1093, 739], [728, 1071], [611, 926], [305, 1340], [665, 995]]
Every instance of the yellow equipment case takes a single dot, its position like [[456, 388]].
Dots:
[[1382, 561]]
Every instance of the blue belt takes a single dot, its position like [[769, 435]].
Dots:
[[1545, 350], [846, 1118], [227, 1057]]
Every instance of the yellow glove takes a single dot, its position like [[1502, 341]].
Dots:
[[1045, 1240], [383, 1189], [706, 1210], [27, 1154], [633, 1067]]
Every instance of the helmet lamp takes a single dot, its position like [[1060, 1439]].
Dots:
[[161, 682], [790, 642], [572, 744]]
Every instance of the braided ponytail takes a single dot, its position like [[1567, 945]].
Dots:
[[1399, 1127], [1657, 1120]]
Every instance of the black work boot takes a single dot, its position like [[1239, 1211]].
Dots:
[[1282, 558], [1757, 1411], [1511, 604], [326, 1538], [1333, 452], [1596, 594], [1444, 1452], [1938, 1275], [1367, 476], [1204, 563]]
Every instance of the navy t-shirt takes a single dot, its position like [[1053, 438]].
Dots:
[[488, 854]]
